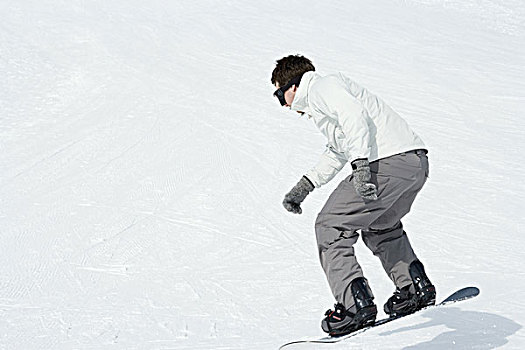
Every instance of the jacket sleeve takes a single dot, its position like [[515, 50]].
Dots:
[[330, 163], [331, 98]]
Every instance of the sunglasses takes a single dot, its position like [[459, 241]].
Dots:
[[279, 93]]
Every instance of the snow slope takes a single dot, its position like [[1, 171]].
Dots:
[[143, 161]]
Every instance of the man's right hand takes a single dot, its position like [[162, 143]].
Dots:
[[362, 176], [294, 198]]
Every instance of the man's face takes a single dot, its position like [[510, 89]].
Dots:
[[289, 94]]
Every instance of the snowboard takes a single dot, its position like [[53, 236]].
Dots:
[[459, 295]]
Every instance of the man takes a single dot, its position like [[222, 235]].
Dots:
[[389, 167]]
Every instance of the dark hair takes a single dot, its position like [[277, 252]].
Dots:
[[290, 67]]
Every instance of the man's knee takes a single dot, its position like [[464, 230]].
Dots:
[[374, 237], [327, 235], [324, 233], [384, 231]]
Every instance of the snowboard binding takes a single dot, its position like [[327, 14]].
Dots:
[[412, 298], [342, 321]]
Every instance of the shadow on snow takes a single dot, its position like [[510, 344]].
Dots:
[[468, 330]]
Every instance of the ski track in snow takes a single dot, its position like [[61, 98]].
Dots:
[[143, 161]]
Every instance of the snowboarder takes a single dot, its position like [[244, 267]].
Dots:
[[389, 167]]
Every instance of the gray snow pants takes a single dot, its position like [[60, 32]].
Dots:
[[398, 179]]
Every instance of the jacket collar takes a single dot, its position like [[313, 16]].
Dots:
[[300, 101]]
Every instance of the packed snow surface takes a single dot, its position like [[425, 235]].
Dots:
[[143, 161]]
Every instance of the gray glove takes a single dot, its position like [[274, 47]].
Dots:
[[294, 198], [362, 176]]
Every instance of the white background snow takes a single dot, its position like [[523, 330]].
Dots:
[[143, 161]]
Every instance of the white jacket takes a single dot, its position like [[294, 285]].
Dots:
[[356, 123]]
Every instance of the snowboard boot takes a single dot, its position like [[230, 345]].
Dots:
[[413, 297], [341, 320]]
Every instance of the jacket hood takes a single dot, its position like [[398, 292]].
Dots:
[[300, 101]]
